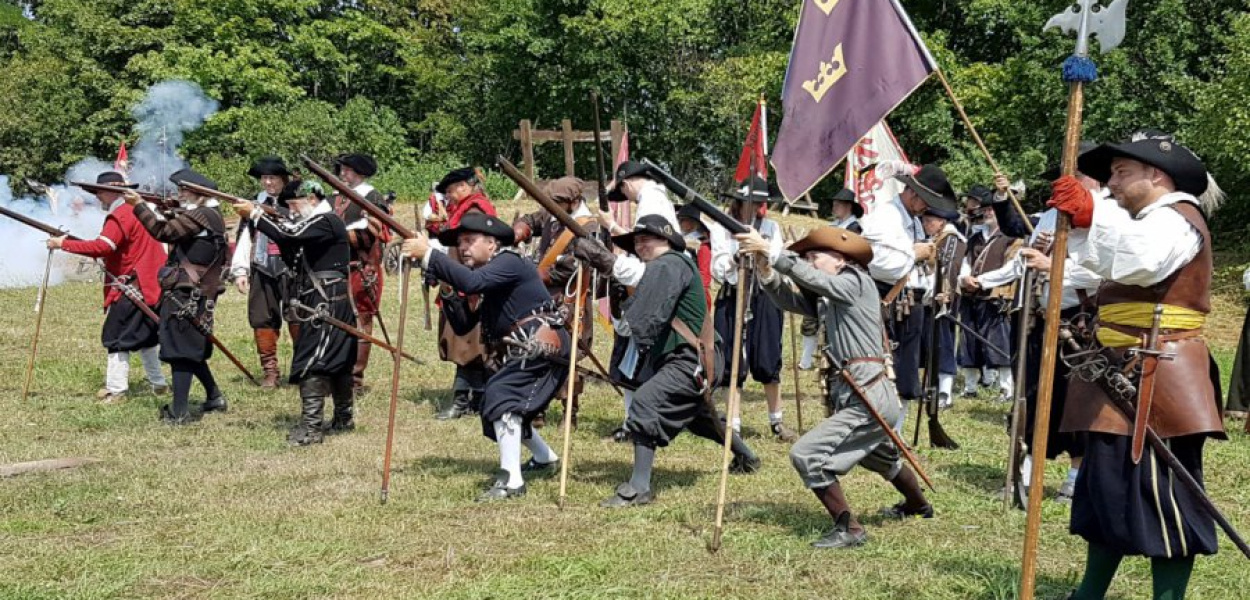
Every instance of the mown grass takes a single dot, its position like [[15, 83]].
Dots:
[[224, 509]]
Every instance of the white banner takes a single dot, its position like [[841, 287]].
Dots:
[[876, 147]]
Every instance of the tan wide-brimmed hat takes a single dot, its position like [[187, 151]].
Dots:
[[847, 242]]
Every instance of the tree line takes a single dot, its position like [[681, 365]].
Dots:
[[426, 84]]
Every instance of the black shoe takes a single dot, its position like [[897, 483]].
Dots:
[[216, 403], [900, 511], [304, 435], [840, 537], [741, 465], [784, 434], [459, 408], [169, 418], [619, 435], [500, 491], [338, 425], [627, 496], [533, 466]]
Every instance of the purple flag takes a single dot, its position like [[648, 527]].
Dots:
[[853, 61]]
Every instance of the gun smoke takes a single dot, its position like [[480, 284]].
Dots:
[[168, 111]]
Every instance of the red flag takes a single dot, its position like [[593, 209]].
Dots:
[[622, 155], [122, 163], [755, 150]]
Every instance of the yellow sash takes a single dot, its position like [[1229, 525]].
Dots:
[[1140, 315]]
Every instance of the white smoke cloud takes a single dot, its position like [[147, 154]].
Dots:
[[25, 254], [168, 111]]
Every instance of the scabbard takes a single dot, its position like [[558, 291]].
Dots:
[[1145, 398]]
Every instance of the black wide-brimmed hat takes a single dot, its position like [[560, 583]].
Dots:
[[1155, 148], [627, 170], [850, 244], [931, 184], [114, 179], [269, 165], [754, 189], [651, 225], [980, 193], [1084, 148], [848, 196], [456, 176], [479, 223], [360, 163], [191, 176]]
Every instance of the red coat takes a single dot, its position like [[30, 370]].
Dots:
[[704, 261], [126, 247], [476, 201]]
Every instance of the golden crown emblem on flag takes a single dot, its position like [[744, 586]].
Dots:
[[827, 76]]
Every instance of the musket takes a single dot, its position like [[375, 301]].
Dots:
[[385, 218], [689, 196], [938, 438], [540, 196], [96, 188], [967, 329], [1108, 25], [425, 289], [220, 195], [597, 375], [352, 196], [325, 316], [1016, 448], [130, 292]]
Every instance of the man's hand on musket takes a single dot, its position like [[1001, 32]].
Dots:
[[752, 242], [970, 283], [1035, 259], [132, 198], [417, 247], [752, 245], [55, 243], [244, 209]]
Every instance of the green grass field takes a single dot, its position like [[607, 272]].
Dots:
[[225, 509]]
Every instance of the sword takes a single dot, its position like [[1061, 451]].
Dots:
[[1150, 355], [889, 430]]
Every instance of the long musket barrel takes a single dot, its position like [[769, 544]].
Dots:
[[40, 225], [157, 199], [353, 331], [599, 161], [231, 198], [687, 194], [346, 191], [541, 197]]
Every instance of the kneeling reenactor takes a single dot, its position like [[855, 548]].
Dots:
[[833, 272], [521, 328]]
